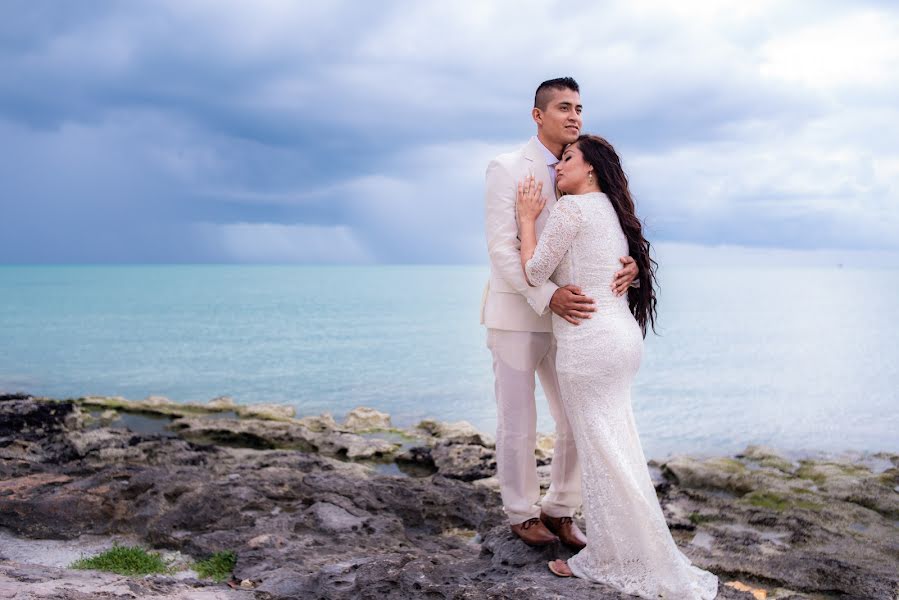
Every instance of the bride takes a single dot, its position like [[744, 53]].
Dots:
[[629, 546]]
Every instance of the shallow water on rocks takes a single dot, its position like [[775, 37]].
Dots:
[[147, 423]]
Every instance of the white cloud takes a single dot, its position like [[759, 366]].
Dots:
[[823, 178], [861, 49]]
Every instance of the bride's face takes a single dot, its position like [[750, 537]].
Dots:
[[573, 172]]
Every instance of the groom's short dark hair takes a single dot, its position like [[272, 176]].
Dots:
[[541, 98]]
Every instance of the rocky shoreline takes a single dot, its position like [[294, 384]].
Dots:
[[314, 508]]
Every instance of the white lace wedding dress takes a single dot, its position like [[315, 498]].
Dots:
[[629, 546]]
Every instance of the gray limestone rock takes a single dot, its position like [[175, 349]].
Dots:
[[311, 524], [366, 419], [36, 582], [266, 411], [464, 461], [291, 434], [461, 432], [334, 519]]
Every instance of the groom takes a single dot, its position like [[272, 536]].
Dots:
[[519, 330]]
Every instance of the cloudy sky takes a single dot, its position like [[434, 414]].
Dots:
[[358, 132]]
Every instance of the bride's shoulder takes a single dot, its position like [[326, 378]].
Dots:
[[570, 206], [573, 198], [582, 198], [587, 195]]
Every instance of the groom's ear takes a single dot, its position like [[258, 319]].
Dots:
[[537, 115]]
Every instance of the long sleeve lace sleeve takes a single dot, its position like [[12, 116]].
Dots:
[[561, 228]]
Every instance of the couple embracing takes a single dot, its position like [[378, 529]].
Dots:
[[570, 297]]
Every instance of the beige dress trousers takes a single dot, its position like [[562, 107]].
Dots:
[[519, 335]]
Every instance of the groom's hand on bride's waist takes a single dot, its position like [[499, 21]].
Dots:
[[626, 277], [571, 304]]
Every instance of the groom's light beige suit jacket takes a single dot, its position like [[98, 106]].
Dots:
[[509, 303]]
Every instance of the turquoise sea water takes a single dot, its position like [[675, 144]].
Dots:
[[801, 359]]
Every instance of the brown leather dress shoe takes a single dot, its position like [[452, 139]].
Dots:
[[533, 533], [566, 529]]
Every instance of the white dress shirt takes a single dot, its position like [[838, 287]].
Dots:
[[551, 161]]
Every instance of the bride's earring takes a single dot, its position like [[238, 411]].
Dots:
[[590, 177]]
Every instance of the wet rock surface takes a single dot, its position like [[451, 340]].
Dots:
[[306, 521], [270, 434]]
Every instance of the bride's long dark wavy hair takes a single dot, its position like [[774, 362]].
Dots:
[[600, 154]]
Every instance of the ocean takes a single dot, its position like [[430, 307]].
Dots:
[[802, 359]]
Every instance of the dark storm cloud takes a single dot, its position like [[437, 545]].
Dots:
[[180, 131]]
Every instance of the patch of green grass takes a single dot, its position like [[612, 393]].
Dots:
[[698, 519], [218, 566], [124, 560]]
